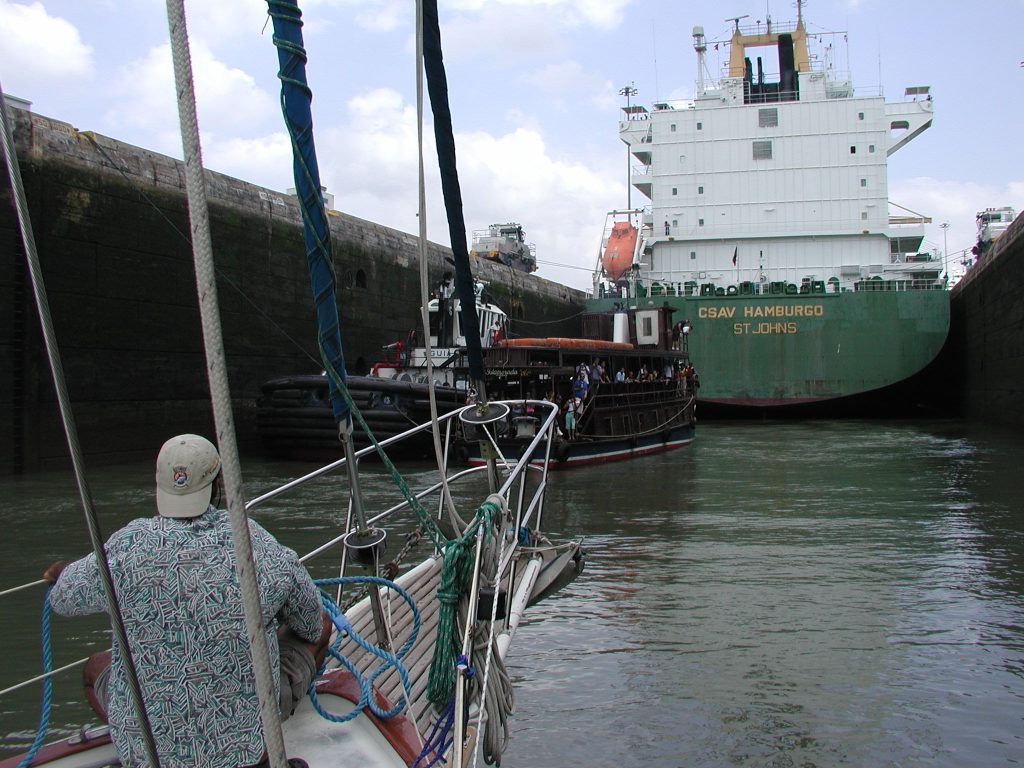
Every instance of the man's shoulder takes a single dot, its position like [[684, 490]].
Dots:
[[140, 526]]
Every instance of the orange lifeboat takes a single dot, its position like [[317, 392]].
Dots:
[[618, 254]]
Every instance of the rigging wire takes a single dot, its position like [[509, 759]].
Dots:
[[221, 274], [71, 432], [216, 367]]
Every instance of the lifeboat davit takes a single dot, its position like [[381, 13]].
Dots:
[[618, 254]]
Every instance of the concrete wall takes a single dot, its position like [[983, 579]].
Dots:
[[111, 228], [984, 358]]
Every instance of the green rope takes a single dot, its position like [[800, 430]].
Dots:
[[456, 578]]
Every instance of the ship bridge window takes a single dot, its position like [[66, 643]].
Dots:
[[767, 118], [762, 150]]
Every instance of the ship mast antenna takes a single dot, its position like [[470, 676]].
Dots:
[[736, 21], [628, 91]]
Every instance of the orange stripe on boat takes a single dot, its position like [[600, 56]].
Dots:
[[567, 343]]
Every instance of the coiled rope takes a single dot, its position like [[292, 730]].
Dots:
[[366, 697], [456, 574], [44, 710]]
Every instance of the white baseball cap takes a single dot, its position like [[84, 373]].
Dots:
[[185, 469]]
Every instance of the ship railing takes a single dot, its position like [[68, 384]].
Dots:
[[521, 484], [913, 284], [617, 394]]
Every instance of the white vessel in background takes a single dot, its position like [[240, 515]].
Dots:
[[506, 244]]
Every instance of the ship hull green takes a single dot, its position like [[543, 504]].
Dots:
[[781, 351]]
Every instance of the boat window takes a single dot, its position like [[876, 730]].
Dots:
[[675, 191], [693, 254], [853, 150], [700, 222], [762, 150], [360, 279], [700, 126], [672, 128], [863, 182], [871, 147], [700, 190]]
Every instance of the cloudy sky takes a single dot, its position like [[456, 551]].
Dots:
[[534, 92]]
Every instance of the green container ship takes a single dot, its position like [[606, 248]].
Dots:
[[770, 230]]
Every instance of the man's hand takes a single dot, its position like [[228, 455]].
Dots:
[[53, 573]]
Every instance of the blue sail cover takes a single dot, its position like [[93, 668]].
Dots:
[[437, 87], [296, 98]]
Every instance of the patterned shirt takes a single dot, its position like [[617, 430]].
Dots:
[[181, 602]]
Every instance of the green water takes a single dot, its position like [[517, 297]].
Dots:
[[805, 594]]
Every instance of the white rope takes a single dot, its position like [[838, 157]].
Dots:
[[202, 248], [425, 280], [71, 433], [43, 676], [12, 590]]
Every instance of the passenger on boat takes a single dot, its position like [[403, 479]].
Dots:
[[580, 386], [572, 407], [179, 595]]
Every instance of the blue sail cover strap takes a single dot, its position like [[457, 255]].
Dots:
[[296, 97], [437, 87]]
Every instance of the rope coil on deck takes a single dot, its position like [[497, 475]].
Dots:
[[366, 697]]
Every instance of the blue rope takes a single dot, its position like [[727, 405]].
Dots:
[[44, 714], [366, 697], [440, 738]]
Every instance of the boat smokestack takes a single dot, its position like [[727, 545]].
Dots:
[[787, 69], [701, 47]]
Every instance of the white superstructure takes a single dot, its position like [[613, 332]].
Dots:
[[775, 177]]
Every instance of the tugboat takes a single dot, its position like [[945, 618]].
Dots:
[[293, 413], [627, 388], [506, 244]]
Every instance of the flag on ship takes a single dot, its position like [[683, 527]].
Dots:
[[734, 252]]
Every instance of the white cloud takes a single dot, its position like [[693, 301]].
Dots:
[[228, 101], [40, 50], [222, 20], [265, 161]]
